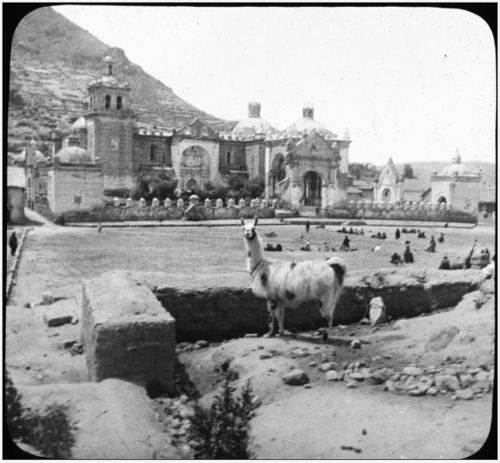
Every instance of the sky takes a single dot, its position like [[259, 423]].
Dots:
[[414, 84]]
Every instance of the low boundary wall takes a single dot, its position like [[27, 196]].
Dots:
[[217, 313], [130, 327]]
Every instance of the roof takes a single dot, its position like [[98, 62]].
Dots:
[[306, 126], [73, 154], [16, 177], [252, 126]]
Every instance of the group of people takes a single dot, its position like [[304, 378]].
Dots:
[[351, 231], [381, 236]]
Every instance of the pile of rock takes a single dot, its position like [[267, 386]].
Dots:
[[175, 414], [464, 382], [190, 346]]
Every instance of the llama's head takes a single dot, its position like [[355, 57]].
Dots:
[[249, 229]]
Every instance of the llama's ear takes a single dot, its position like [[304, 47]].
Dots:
[[255, 221], [242, 221]]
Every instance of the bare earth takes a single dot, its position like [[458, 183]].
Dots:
[[293, 422]]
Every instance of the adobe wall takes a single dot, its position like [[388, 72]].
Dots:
[[127, 334], [78, 186], [216, 313]]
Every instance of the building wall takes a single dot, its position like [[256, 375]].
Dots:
[[255, 158], [460, 191], [142, 151], [15, 202], [236, 152], [211, 147], [74, 186], [113, 144]]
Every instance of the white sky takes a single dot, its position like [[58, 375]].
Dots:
[[413, 84]]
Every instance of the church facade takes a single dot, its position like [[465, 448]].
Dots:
[[304, 165]]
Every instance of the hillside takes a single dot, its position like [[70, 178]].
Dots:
[[53, 61]]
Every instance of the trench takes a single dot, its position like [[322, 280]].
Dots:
[[219, 314]]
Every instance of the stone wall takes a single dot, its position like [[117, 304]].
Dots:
[[136, 212], [216, 313], [429, 212]]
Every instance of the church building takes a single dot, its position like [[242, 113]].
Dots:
[[306, 165]]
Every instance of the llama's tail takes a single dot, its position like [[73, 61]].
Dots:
[[338, 266]]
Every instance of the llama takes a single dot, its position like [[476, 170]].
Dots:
[[288, 284]]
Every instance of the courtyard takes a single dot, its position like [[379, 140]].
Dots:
[[59, 260]]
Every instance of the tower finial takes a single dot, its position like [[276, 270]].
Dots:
[[109, 62]]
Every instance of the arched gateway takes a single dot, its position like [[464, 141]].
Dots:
[[312, 189]]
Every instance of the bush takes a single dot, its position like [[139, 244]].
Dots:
[[117, 192], [14, 411], [221, 432], [50, 431]]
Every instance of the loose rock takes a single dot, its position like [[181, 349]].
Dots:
[[464, 394], [296, 378], [412, 371], [356, 344], [332, 375]]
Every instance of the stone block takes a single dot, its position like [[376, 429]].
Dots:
[[126, 332]]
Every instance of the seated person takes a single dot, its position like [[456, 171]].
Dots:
[[445, 264], [307, 247], [396, 259]]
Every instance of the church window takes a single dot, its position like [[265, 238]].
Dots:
[[228, 157], [107, 101], [152, 153], [118, 102]]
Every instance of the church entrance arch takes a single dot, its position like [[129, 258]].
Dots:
[[312, 189], [441, 199], [191, 184], [386, 195], [195, 166]]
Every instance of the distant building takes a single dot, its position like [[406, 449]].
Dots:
[[456, 185], [16, 187]]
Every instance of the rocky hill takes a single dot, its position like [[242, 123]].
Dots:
[[53, 61]]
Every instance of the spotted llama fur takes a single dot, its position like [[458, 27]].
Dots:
[[288, 284]]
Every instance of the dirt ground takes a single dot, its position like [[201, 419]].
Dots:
[[323, 419]]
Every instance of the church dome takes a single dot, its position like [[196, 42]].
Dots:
[[253, 125], [79, 124], [456, 168], [307, 125], [37, 157], [73, 154]]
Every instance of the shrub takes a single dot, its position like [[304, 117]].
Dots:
[[14, 411], [221, 432], [50, 431]]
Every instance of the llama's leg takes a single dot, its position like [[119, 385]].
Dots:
[[281, 318], [271, 308]]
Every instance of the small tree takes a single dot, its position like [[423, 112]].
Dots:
[[221, 432]]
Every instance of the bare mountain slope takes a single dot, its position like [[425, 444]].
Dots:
[[52, 62]]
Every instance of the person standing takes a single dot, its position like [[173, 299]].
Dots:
[[398, 233], [13, 243], [308, 225]]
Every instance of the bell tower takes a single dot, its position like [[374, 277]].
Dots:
[[110, 127]]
